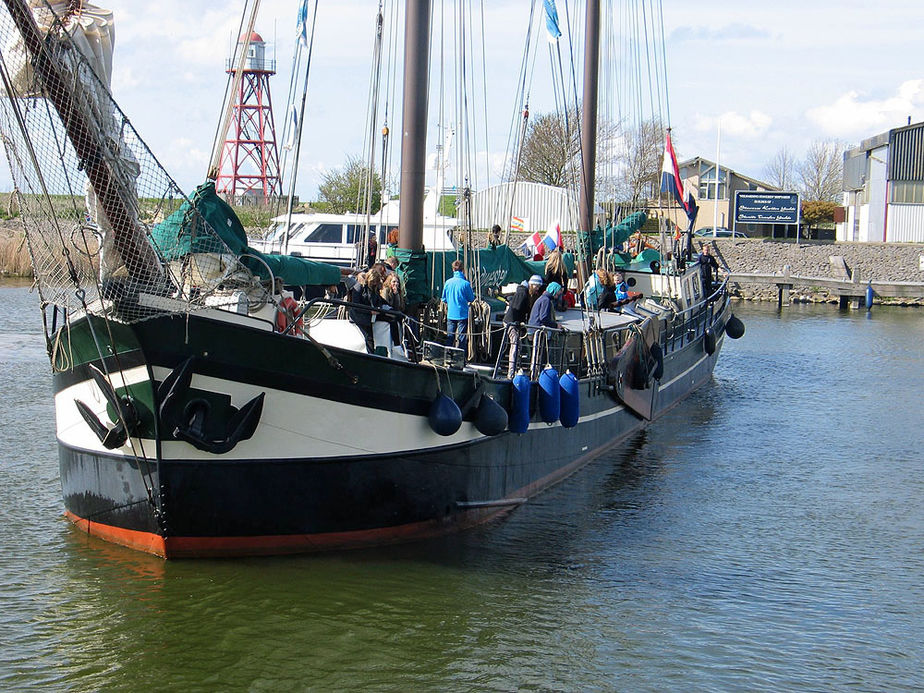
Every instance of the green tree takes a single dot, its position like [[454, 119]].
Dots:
[[816, 212], [345, 190]]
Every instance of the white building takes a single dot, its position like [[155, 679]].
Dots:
[[884, 188], [539, 206]]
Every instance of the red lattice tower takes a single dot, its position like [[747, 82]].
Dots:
[[249, 164]]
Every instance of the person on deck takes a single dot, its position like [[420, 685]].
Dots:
[[518, 310], [708, 268], [457, 294], [599, 291], [557, 271], [358, 294], [494, 237], [625, 298], [391, 243], [372, 250], [393, 299], [543, 311]]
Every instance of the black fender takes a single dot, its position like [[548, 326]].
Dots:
[[709, 341], [734, 328], [656, 362]]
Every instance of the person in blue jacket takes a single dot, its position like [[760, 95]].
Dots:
[[457, 294], [543, 312]]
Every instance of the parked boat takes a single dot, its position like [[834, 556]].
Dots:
[[200, 411], [335, 238]]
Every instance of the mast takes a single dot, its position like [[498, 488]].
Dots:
[[414, 123], [589, 123]]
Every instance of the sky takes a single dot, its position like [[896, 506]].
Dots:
[[780, 74]]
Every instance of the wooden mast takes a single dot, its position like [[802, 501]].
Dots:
[[137, 254], [589, 124], [414, 123]]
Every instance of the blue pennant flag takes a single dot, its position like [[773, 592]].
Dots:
[[551, 20], [301, 28]]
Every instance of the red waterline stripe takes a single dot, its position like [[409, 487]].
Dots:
[[133, 539], [202, 547]]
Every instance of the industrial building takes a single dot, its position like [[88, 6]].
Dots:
[[884, 188]]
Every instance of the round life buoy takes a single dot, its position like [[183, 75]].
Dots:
[[285, 314]]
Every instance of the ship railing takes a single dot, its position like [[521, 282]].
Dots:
[[409, 327], [690, 324]]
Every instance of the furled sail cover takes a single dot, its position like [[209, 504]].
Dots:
[[91, 28]]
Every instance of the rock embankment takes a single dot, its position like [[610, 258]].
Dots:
[[883, 262]]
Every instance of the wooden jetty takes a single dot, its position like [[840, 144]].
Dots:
[[849, 289]]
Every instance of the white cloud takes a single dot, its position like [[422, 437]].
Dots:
[[736, 31], [183, 155], [123, 77], [854, 115], [751, 125]]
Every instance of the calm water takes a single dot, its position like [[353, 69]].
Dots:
[[767, 535]]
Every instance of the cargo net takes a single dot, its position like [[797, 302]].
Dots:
[[106, 226]]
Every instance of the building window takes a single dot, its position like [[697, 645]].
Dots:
[[907, 192], [707, 184]]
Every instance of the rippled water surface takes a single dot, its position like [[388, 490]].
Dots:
[[768, 534]]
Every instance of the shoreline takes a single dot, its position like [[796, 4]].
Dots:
[[887, 262]]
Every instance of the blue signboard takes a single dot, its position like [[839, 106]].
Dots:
[[766, 207]]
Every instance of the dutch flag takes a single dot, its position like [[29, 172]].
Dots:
[[546, 243], [672, 183]]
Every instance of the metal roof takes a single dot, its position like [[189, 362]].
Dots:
[[906, 153], [539, 205]]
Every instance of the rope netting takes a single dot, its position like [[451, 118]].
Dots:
[[103, 219]]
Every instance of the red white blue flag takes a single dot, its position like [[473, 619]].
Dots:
[[673, 184], [542, 244]]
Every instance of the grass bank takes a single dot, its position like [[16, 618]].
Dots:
[[14, 253]]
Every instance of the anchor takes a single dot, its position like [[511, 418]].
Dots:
[[190, 420], [128, 419]]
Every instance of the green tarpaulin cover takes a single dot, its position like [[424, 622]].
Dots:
[[494, 267], [294, 271], [214, 228], [589, 243]]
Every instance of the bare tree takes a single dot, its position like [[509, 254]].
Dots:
[[551, 150], [640, 175], [821, 173], [551, 155], [781, 169]]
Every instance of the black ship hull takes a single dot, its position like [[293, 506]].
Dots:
[[343, 455]]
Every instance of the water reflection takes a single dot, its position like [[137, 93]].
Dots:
[[764, 535]]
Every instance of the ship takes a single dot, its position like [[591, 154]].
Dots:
[[201, 410]]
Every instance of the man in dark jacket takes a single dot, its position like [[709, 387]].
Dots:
[[708, 267], [517, 314], [543, 313]]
